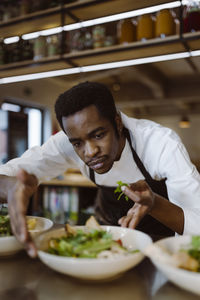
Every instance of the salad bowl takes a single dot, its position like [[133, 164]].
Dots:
[[100, 268], [9, 245], [168, 255]]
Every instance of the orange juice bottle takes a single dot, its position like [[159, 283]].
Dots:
[[165, 23], [145, 27]]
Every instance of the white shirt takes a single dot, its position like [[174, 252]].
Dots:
[[159, 148]]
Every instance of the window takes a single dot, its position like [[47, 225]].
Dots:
[[34, 118]]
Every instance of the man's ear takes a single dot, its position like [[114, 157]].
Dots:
[[119, 123]]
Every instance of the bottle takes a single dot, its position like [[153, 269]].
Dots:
[[16, 54], [192, 17], [2, 52], [126, 31], [165, 23], [39, 48], [145, 27], [24, 7], [88, 41], [27, 52], [52, 45], [98, 35]]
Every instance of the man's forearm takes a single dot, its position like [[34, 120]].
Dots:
[[6, 183], [168, 214]]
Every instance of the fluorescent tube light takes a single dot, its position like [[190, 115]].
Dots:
[[125, 15], [51, 31], [11, 40], [41, 75], [195, 53], [91, 68], [30, 36], [102, 20]]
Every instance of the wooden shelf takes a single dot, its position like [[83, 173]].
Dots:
[[75, 180], [31, 66], [84, 10], [133, 50], [70, 13], [153, 47]]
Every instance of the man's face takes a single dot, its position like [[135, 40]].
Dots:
[[93, 137]]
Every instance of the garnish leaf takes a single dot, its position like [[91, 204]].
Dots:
[[119, 190]]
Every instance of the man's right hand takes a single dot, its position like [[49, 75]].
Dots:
[[18, 197]]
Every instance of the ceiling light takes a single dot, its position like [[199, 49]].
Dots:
[[184, 122], [99, 67], [10, 40]]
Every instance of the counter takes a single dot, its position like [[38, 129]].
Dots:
[[23, 278]]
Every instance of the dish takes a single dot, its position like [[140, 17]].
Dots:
[[95, 268], [10, 245], [160, 254]]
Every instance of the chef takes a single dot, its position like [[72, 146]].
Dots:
[[108, 146]]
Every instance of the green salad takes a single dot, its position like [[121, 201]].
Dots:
[[92, 244], [5, 227], [192, 250]]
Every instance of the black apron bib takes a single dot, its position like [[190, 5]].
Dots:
[[109, 210]]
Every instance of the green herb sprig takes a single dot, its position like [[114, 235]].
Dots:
[[119, 190]]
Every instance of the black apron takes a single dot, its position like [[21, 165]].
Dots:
[[109, 210]]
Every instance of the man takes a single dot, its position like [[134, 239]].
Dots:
[[108, 146]]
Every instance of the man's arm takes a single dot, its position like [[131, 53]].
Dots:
[[18, 190]]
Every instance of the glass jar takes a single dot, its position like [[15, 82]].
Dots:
[[192, 17], [39, 48], [165, 24], [98, 35], [126, 31], [52, 45], [145, 27]]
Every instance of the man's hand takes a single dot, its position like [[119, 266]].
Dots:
[[18, 199], [143, 196]]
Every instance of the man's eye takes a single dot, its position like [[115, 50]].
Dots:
[[99, 135], [77, 145]]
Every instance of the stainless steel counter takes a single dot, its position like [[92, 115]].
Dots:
[[23, 278]]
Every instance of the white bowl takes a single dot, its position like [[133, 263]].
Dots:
[[187, 280], [42, 225], [10, 245], [95, 268]]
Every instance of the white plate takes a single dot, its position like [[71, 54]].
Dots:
[[95, 268], [10, 245], [187, 280]]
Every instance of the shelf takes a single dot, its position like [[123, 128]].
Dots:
[[31, 66], [70, 13], [133, 50], [153, 47], [75, 180]]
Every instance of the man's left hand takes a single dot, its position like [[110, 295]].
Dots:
[[140, 193]]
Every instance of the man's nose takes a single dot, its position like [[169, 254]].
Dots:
[[91, 149]]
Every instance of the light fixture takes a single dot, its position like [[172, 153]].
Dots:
[[99, 67], [102, 20], [11, 40], [184, 122]]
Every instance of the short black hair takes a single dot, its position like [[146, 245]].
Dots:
[[83, 95]]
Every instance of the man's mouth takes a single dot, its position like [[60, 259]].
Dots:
[[97, 163]]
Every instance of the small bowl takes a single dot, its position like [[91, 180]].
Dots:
[[94, 269], [185, 279], [10, 245], [42, 224]]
